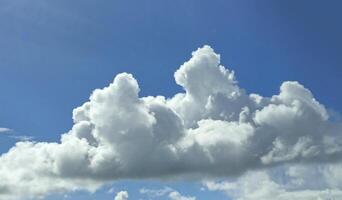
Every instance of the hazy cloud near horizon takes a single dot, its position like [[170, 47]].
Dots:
[[213, 129]]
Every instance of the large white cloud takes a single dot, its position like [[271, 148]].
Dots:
[[212, 129]]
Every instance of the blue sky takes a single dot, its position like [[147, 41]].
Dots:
[[55, 53]]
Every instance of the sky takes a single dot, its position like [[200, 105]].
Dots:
[[54, 54]]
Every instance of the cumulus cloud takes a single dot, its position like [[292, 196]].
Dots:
[[212, 129], [122, 195]]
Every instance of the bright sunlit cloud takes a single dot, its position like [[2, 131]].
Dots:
[[213, 129]]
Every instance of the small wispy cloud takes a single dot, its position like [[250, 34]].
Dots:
[[165, 192], [22, 137], [156, 192], [111, 190], [4, 130], [14, 135]]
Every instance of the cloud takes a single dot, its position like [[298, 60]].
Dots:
[[22, 137], [16, 137], [212, 129], [152, 193], [4, 130], [122, 195], [177, 196], [295, 182], [166, 191]]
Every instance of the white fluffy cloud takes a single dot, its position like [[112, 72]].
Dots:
[[122, 195], [212, 129]]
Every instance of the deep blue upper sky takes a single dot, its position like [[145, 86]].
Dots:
[[54, 53]]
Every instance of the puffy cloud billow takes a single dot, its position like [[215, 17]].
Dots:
[[213, 129]]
